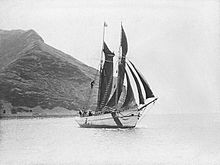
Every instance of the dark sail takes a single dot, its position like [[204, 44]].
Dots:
[[130, 94], [124, 43], [147, 89], [112, 102], [141, 98], [106, 78], [121, 70], [121, 67]]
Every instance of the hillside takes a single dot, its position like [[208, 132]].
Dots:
[[36, 78]]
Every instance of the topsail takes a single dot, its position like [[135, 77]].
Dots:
[[124, 43]]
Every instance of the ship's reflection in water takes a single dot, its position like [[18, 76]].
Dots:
[[158, 139]]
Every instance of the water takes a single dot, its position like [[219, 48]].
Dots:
[[158, 139]]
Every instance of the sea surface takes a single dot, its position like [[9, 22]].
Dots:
[[183, 139]]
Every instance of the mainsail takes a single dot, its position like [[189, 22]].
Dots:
[[121, 70], [106, 78]]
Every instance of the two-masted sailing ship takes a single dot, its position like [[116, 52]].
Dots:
[[116, 104]]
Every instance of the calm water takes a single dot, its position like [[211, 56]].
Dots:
[[158, 139]]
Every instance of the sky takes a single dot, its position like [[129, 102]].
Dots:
[[174, 43]]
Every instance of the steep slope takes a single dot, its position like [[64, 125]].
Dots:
[[34, 74]]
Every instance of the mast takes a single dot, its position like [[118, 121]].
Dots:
[[119, 62], [101, 62], [113, 101], [116, 94]]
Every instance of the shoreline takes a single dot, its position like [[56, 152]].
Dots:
[[33, 117]]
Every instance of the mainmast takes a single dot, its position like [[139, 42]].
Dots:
[[113, 101], [118, 76]]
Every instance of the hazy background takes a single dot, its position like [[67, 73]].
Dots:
[[176, 44]]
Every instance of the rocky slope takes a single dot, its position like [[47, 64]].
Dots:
[[34, 74]]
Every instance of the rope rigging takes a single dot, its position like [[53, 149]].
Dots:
[[92, 83]]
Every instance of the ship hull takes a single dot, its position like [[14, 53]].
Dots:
[[104, 126], [125, 119]]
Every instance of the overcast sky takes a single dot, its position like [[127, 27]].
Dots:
[[175, 43]]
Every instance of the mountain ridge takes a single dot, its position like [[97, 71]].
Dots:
[[34, 74]]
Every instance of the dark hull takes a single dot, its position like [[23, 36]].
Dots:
[[104, 126]]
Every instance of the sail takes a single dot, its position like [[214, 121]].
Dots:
[[147, 89], [141, 98], [106, 78], [121, 70], [113, 100], [124, 43], [121, 67], [130, 94]]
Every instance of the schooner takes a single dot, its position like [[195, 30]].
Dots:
[[116, 104]]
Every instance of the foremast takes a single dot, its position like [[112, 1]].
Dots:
[[105, 74], [101, 61]]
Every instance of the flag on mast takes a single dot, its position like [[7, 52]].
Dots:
[[105, 24]]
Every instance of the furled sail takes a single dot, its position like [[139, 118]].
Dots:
[[121, 70], [147, 89], [106, 78]]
